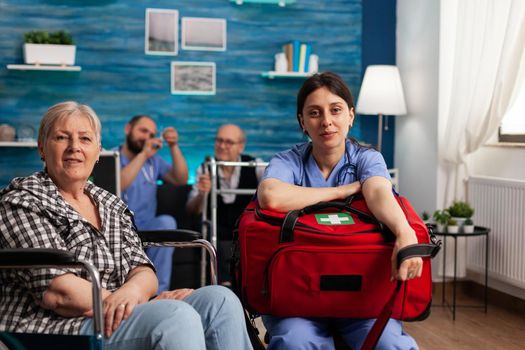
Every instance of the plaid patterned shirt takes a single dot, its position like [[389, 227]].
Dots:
[[33, 214]]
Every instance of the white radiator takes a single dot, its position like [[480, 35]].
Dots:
[[500, 205]]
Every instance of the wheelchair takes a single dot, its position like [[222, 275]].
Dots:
[[32, 258], [24, 258]]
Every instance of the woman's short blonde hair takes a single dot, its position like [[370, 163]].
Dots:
[[65, 110]]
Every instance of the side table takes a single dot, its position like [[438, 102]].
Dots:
[[478, 231]]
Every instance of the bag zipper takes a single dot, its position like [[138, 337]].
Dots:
[[307, 228]]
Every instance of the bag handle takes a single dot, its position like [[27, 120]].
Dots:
[[290, 220]]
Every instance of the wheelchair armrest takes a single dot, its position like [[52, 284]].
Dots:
[[31, 258], [181, 238], [36, 257], [178, 235]]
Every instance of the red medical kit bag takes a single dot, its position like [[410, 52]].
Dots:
[[331, 259]]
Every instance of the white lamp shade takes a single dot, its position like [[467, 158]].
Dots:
[[381, 92]]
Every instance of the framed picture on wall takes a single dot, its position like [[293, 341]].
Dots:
[[193, 78], [162, 32], [207, 34]]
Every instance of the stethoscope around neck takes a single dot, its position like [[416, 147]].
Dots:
[[348, 168], [149, 173]]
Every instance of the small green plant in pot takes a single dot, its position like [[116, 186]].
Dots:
[[468, 226], [54, 48], [452, 226], [60, 37], [441, 218], [460, 209]]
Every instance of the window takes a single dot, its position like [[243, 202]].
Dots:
[[512, 128]]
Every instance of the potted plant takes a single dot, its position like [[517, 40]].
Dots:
[[441, 218], [452, 226], [56, 48], [460, 211], [468, 226], [425, 217]]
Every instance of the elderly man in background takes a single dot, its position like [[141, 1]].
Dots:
[[230, 142], [141, 168]]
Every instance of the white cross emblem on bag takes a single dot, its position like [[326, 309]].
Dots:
[[334, 219]]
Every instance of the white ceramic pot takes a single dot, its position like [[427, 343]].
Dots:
[[468, 228], [452, 229], [49, 54]]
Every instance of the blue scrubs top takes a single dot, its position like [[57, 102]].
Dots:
[[141, 195], [297, 166]]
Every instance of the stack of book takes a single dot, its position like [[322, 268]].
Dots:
[[298, 56]]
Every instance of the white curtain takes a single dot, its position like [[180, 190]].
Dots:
[[482, 63]]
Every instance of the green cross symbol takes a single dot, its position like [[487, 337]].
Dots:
[[334, 219]]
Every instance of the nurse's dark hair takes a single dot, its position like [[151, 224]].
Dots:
[[331, 81]]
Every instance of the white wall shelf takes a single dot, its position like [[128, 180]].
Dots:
[[274, 74], [44, 67], [29, 144], [281, 3]]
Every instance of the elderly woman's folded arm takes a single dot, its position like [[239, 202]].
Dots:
[[70, 296]]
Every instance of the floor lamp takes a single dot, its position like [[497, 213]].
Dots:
[[382, 94]]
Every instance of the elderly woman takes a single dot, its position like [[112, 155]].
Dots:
[[58, 208], [332, 167]]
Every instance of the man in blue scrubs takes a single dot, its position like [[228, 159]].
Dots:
[[141, 168]]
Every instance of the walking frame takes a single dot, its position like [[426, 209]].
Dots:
[[209, 224]]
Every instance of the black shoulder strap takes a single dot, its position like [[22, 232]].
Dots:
[[411, 251], [253, 333]]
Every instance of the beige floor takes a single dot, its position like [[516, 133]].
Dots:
[[472, 329]]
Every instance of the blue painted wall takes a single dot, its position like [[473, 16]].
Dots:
[[379, 47], [118, 80]]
